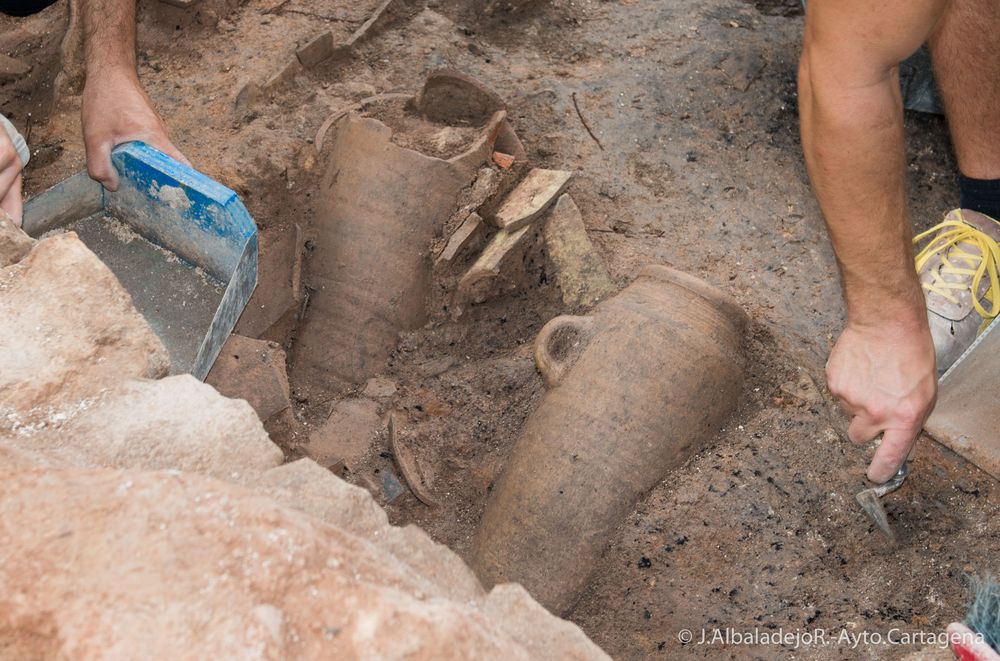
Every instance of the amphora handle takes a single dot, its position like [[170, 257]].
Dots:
[[554, 359]]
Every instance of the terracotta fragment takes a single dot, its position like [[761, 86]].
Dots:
[[531, 198]]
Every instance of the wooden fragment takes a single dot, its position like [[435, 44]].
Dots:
[[531, 198]]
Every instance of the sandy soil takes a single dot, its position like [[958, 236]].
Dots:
[[696, 164]]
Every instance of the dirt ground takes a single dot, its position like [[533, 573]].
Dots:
[[695, 162]]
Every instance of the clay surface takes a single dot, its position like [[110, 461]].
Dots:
[[380, 209]]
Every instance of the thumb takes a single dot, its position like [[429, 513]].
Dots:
[[895, 447], [99, 165]]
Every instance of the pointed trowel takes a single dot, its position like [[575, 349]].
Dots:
[[870, 500]]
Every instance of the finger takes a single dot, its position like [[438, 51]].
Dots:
[[99, 165], [896, 445], [161, 142], [8, 176], [168, 148], [863, 430], [8, 153], [12, 202]]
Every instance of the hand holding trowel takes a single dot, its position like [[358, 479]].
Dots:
[[869, 391]]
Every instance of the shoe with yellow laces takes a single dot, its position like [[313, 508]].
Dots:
[[958, 270]]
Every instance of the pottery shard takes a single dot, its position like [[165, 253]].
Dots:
[[279, 287], [174, 423], [489, 263], [580, 272], [346, 435], [68, 331], [253, 370], [508, 143], [172, 565], [316, 50], [505, 161], [379, 386], [470, 229], [531, 198], [284, 75], [451, 96], [14, 243]]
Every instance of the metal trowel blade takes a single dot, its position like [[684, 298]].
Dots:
[[872, 504], [871, 499]]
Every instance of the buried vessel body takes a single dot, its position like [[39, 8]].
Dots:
[[634, 389]]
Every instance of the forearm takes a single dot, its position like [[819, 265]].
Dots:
[[109, 29], [115, 109], [853, 141]]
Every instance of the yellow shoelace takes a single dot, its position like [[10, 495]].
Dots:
[[952, 244]]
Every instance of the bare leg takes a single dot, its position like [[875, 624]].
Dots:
[[965, 49]]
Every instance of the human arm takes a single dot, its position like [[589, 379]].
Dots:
[[882, 367], [115, 108]]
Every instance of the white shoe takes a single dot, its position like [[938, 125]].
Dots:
[[960, 259]]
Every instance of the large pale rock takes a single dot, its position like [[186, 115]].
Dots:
[[14, 243], [307, 486], [174, 423], [68, 331], [525, 620], [125, 564]]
